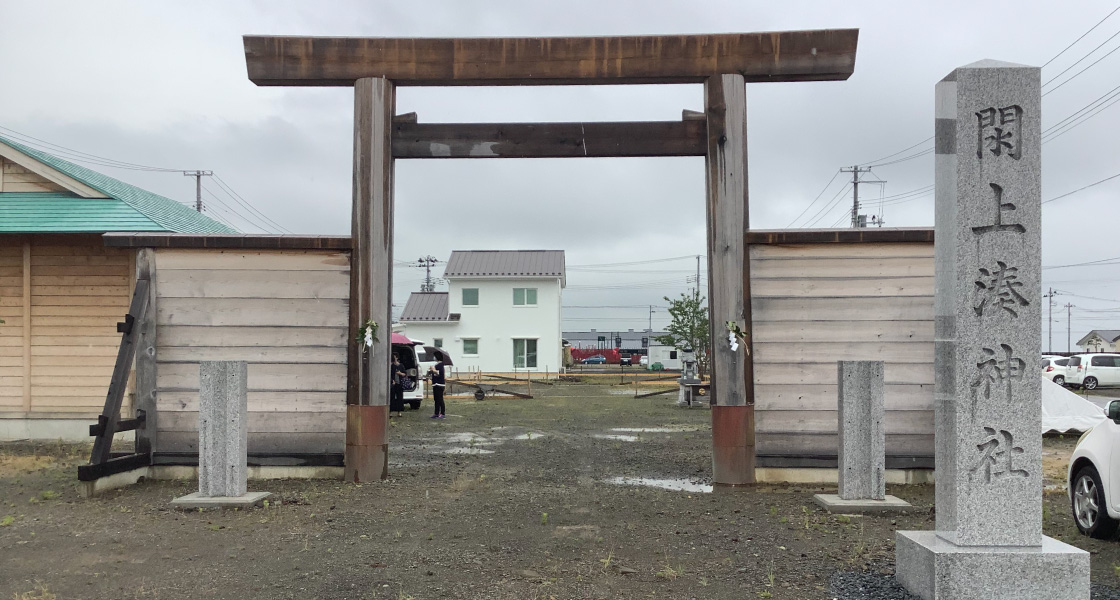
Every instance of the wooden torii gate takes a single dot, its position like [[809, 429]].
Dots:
[[724, 63]]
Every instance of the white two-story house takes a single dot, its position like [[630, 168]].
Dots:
[[500, 314]]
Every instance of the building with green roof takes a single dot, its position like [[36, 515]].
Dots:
[[62, 291]]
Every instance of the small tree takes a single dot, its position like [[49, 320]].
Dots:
[[689, 328]]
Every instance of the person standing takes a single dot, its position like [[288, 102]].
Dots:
[[436, 375], [396, 387]]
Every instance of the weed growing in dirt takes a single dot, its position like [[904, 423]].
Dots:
[[843, 519], [1115, 567], [669, 573], [7, 520], [48, 495], [773, 510], [544, 518], [41, 592], [607, 561]]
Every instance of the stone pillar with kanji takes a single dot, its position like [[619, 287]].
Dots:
[[988, 541]]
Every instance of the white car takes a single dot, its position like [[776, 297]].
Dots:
[[1054, 368], [1094, 477], [1091, 371]]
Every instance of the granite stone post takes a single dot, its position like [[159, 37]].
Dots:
[[988, 541], [862, 452], [223, 435]]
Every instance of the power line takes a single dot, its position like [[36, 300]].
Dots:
[[1103, 261], [828, 207], [1080, 188], [78, 154], [1087, 55], [826, 186], [254, 222], [1074, 76], [241, 200], [1082, 36], [872, 162]]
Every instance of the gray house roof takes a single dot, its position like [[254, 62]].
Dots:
[[425, 306], [506, 263], [1108, 335]]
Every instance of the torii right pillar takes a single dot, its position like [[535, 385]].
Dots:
[[729, 289]]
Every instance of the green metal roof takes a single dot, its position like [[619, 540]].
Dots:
[[128, 207], [63, 212]]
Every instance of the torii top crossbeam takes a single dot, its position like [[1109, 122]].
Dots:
[[820, 55]]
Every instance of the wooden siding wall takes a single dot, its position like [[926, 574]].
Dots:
[[285, 313], [14, 178], [12, 374], [61, 298], [816, 304]]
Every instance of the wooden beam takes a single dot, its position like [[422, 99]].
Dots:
[[549, 140], [339, 61], [729, 280], [146, 359], [102, 444]]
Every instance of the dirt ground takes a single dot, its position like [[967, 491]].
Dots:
[[524, 499]]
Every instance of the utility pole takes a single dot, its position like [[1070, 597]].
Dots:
[[697, 275], [651, 318], [427, 263], [198, 175], [855, 170], [1069, 346], [1050, 319]]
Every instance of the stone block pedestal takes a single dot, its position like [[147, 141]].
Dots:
[[932, 567], [197, 500], [833, 503]]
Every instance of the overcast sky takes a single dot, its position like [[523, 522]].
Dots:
[[164, 85]]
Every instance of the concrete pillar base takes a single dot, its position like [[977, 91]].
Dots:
[[732, 445], [367, 443]]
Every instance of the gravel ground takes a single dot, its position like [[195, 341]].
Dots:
[[581, 492], [870, 585]]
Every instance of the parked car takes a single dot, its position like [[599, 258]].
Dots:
[[405, 350], [1094, 477], [644, 361], [1054, 368], [624, 360], [1091, 371], [598, 359]]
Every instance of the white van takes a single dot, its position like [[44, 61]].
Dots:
[[405, 351], [1091, 371]]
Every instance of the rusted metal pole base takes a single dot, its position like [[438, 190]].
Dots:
[[732, 445], [367, 443]]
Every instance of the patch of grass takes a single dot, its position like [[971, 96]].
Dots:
[[41, 592], [669, 573], [773, 510], [607, 561], [544, 518], [7, 520], [843, 519], [48, 495]]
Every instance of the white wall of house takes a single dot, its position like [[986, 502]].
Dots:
[[495, 322], [1096, 344]]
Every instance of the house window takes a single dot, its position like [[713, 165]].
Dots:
[[470, 346], [524, 354], [437, 342], [470, 296], [524, 296]]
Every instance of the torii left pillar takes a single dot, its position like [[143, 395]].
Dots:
[[371, 282], [729, 281]]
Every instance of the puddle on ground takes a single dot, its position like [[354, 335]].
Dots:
[[677, 485], [669, 429], [619, 438], [460, 450]]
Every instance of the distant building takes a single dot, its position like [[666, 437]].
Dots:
[[629, 341], [1100, 340], [62, 291], [500, 314]]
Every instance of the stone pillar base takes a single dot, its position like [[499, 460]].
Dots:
[[732, 445], [935, 569], [367, 443]]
